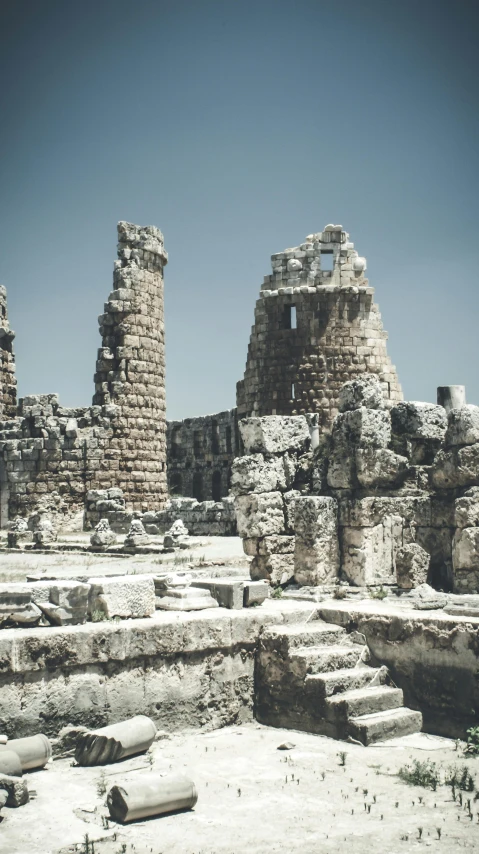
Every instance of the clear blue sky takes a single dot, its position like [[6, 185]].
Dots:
[[238, 128]]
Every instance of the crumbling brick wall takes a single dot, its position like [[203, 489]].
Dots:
[[314, 330], [200, 454]]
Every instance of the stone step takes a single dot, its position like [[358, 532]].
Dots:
[[363, 701], [285, 638], [317, 659], [381, 726], [324, 685]]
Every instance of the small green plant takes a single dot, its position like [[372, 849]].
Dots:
[[472, 746], [101, 785], [419, 832], [424, 774], [459, 778], [438, 831], [99, 616], [379, 594], [277, 592], [342, 757]]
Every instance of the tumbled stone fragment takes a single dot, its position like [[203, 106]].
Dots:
[[466, 509], [412, 565], [380, 467], [102, 536], [255, 473], [316, 554], [417, 420], [463, 426], [364, 390], [274, 434], [122, 596], [259, 515]]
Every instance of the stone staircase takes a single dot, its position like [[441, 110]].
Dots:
[[313, 677]]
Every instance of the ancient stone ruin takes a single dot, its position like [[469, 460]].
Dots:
[[347, 607]]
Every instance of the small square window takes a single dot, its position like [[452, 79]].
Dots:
[[327, 262]]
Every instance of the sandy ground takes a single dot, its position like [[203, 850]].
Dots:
[[255, 798], [204, 550]]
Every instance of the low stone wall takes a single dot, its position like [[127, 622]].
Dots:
[[197, 671], [202, 518], [433, 658]]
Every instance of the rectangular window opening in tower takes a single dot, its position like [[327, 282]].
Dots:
[[292, 392], [327, 261], [289, 317]]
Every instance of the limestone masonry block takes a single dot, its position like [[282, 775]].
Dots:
[[123, 596], [259, 515], [380, 467], [466, 509], [228, 592], [255, 592], [416, 420], [463, 426], [316, 554], [365, 390], [365, 428], [465, 549], [274, 434], [256, 474], [458, 466], [412, 565], [368, 554], [275, 568]]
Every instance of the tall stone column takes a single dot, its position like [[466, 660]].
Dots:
[[130, 377], [8, 382]]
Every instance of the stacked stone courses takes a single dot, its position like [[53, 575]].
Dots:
[[292, 369], [8, 382], [200, 454], [131, 370]]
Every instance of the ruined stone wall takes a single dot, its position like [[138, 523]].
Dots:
[[200, 454], [314, 330], [131, 370], [390, 496], [51, 454], [8, 382]]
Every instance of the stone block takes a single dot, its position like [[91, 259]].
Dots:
[[260, 514], [412, 565], [275, 568], [264, 546], [256, 474], [466, 509], [186, 599], [361, 428], [417, 420], [102, 536], [255, 592], [380, 467], [274, 434], [370, 511], [228, 592], [457, 466], [465, 549], [463, 426], [365, 390], [316, 553], [68, 603], [123, 596], [369, 554], [16, 606]]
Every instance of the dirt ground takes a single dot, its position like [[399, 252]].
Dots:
[[255, 798]]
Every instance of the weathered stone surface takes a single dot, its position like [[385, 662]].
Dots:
[[380, 467], [274, 434], [254, 473], [136, 536], [289, 508], [228, 592], [254, 593], [16, 606], [368, 554], [103, 536], [372, 510], [185, 599], [316, 554], [259, 515], [177, 536], [44, 534], [68, 603], [16, 789], [466, 509], [463, 426], [363, 428], [412, 565], [275, 568], [456, 467], [417, 420], [276, 544], [465, 549], [122, 596], [364, 390]]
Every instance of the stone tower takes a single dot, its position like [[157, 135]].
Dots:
[[8, 382], [316, 326], [130, 375]]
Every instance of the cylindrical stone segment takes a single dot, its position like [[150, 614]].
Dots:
[[451, 396], [131, 371]]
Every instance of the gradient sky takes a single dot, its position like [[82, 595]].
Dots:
[[238, 128]]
